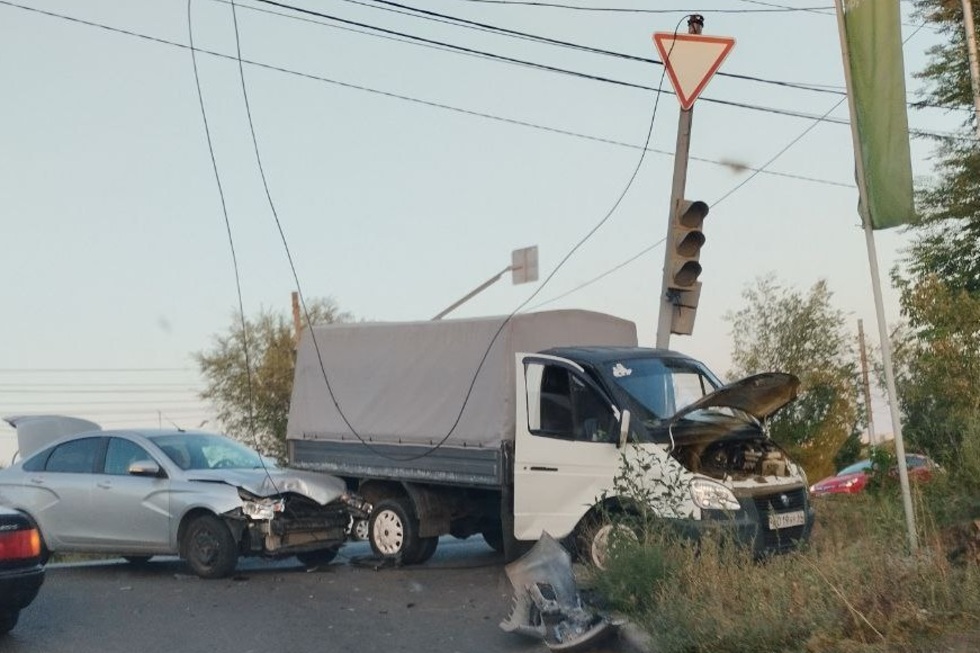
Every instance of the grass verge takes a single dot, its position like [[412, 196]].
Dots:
[[854, 589]]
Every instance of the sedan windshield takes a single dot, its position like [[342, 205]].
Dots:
[[207, 451], [661, 386]]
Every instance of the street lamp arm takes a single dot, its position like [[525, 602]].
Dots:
[[473, 293]]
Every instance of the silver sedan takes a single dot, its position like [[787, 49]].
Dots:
[[203, 496]]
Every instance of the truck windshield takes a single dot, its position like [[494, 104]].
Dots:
[[661, 387]]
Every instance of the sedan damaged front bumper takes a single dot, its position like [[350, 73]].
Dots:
[[294, 524]]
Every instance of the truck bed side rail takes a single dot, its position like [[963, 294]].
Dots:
[[467, 466]]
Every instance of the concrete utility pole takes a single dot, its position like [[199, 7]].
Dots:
[[971, 49], [872, 440], [297, 320], [695, 25]]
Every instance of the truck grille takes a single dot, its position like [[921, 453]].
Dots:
[[784, 539], [794, 500]]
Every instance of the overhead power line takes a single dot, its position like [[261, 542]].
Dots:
[[403, 9], [33, 391], [279, 69], [53, 403], [428, 14], [629, 10], [109, 387], [88, 370]]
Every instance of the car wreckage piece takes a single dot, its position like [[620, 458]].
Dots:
[[547, 603]]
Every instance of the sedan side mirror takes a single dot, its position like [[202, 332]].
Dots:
[[624, 429], [145, 468]]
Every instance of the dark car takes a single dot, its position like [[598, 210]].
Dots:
[[854, 478], [21, 572]]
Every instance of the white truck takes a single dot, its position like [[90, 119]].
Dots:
[[515, 427]]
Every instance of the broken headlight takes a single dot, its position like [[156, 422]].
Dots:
[[264, 509], [709, 495]]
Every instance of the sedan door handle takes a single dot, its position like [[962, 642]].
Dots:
[[37, 481], [105, 485], [536, 468]]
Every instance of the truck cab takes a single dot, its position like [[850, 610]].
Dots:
[[695, 452]]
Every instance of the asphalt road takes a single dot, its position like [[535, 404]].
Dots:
[[452, 603]]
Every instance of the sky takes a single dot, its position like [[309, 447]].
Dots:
[[402, 172]]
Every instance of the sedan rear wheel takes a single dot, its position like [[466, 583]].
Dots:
[[209, 548]]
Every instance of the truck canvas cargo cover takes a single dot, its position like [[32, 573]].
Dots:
[[406, 382]]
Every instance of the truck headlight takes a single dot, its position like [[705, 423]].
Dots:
[[264, 510], [709, 495]]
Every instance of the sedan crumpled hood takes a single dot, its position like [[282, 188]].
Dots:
[[274, 481], [759, 395]]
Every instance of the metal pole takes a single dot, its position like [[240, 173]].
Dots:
[[971, 48], [886, 350], [681, 154], [483, 286]]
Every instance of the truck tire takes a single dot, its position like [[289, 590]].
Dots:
[[8, 620], [318, 558], [209, 548], [493, 535], [596, 535], [393, 531], [426, 550]]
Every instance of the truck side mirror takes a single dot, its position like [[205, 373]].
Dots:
[[624, 429]]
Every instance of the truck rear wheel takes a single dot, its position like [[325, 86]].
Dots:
[[393, 531], [426, 550]]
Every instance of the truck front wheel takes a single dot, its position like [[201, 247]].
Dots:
[[598, 537], [393, 531]]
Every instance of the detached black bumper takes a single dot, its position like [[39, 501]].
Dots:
[[19, 586]]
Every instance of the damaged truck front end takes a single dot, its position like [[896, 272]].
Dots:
[[687, 449], [741, 482]]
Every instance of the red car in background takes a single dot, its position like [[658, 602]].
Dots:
[[853, 478]]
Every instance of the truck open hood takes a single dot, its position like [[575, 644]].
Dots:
[[760, 395], [274, 481]]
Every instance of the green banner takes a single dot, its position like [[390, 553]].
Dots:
[[879, 116]]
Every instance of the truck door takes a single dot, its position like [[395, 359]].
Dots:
[[565, 454]]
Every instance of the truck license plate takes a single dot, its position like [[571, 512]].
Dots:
[[786, 520]]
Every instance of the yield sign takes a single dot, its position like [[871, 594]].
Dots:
[[691, 60]]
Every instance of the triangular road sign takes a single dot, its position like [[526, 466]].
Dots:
[[691, 60]]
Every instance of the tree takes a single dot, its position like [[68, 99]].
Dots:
[[937, 359], [947, 237], [253, 400], [786, 331], [938, 351]]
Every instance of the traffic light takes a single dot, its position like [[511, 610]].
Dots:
[[685, 241]]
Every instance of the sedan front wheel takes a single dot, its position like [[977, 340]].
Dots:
[[209, 547]]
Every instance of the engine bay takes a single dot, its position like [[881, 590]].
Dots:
[[737, 459]]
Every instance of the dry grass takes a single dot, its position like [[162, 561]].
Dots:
[[854, 589]]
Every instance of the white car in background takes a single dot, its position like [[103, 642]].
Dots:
[[138, 493]]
